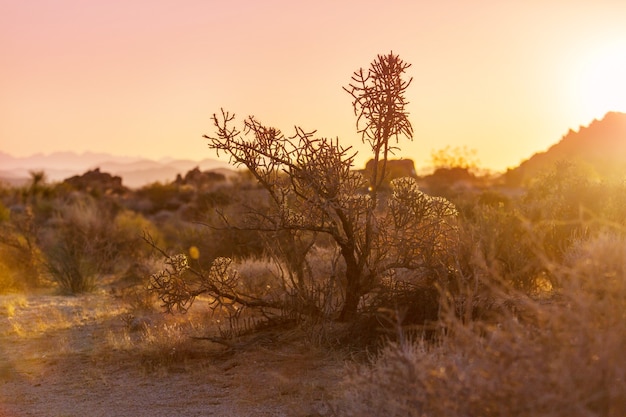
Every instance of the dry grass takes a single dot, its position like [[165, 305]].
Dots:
[[41, 314], [160, 343], [261, 276], [10, 303], [560, 357]]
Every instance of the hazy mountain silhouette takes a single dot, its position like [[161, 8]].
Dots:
[[135, 172], [601, 146]]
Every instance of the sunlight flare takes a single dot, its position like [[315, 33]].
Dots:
[[602, 79]]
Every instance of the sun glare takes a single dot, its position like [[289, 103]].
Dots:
[[602, 80]]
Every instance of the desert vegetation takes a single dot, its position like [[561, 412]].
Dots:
[[370, 293]]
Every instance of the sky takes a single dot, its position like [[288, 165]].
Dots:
[[143, 77]]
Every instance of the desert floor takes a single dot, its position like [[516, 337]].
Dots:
[[85, 356]]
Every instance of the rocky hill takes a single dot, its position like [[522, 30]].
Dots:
[[601, 147]]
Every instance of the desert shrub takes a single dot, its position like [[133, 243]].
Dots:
[[216, 198], [20, 268], [204, 227], [20, 255], [500, 243], [77, 244], [8, 280], [289, 301], [612, 199], [126, 237], [560, 203], [551, 357], [458, 157], [493, 198], [516, 238], [312, 276], [209, 241], [312, 189], [327, 272], [163, 197], [596, 268], [306, 193], [407, 301], [421, 240]]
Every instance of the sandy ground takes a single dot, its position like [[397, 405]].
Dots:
[[76, 356]]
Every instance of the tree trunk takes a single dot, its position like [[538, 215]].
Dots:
[[353, 285], [349, 310]]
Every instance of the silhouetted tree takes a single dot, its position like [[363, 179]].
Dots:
[[313, 189]]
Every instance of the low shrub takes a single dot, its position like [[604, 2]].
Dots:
[[20, 256], [85, 240]]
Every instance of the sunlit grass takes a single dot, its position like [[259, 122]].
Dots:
[[54, 313], [9, 304], [159, 342]]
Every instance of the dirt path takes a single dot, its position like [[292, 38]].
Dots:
[[75, 356]]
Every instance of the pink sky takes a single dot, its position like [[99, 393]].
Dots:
[[142, 77]]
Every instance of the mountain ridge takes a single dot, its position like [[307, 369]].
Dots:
[[600, 146], [135, 171]]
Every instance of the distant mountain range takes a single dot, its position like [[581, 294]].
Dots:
[[135, 172], [601, 147]]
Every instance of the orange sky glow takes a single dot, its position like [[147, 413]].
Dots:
[[142, 77]]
